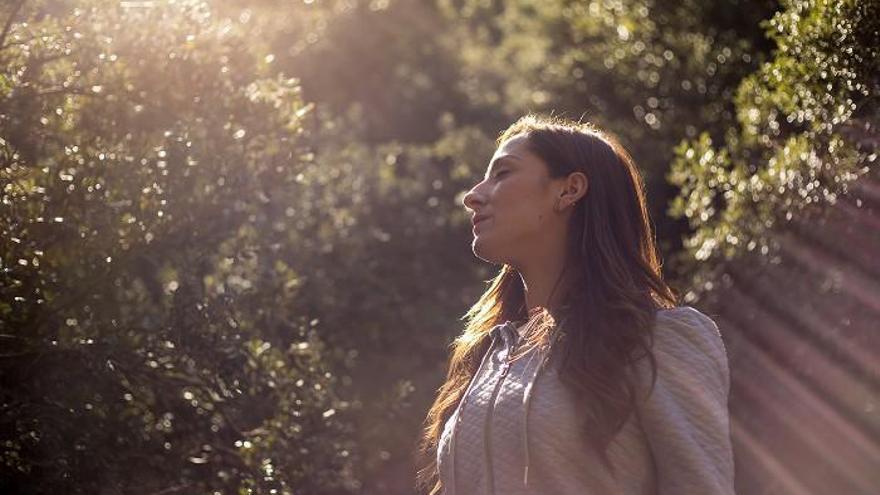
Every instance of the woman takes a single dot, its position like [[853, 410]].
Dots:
[[576, 372]]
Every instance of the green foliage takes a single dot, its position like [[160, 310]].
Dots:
[[652, 72], [387, 62], [658, 66], [807, 127], [394, 273], [152, 337], [211, 232], [218, 277]]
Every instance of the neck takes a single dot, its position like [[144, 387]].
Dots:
[[544, 283]]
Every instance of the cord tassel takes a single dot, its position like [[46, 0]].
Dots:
[[461, 405]]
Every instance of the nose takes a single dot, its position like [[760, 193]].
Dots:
[[472, 199]]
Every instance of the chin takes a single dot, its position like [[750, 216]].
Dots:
[[486, 251]]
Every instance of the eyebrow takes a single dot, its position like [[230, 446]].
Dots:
[[495, 162]]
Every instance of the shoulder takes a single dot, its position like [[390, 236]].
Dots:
[[687, 329], [685, 417], [687, 342]]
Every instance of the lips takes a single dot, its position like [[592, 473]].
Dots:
[[479, 218]]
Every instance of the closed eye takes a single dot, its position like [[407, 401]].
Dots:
[[500, 173]]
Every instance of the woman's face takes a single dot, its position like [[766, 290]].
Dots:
[[513, 205]]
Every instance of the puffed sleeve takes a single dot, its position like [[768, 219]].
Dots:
[[685, 417]]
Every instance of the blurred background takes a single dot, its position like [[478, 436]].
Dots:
[[234, 254]]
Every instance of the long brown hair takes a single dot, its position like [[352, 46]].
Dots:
[[616, 289]]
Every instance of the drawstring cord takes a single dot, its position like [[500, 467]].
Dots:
[[461, 407], [527, 398]]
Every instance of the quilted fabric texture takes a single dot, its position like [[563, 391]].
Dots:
[[518, 433]]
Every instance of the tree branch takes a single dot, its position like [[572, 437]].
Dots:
[[8, 26]]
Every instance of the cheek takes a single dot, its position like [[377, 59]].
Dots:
[[526, 212], [521, 218]]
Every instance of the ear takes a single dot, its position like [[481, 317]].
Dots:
[[573, 190]]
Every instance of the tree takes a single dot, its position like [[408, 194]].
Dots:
[[153, 340], [807, 127], [652, 72]]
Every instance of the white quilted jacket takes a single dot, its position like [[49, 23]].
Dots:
[[515, 431]]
